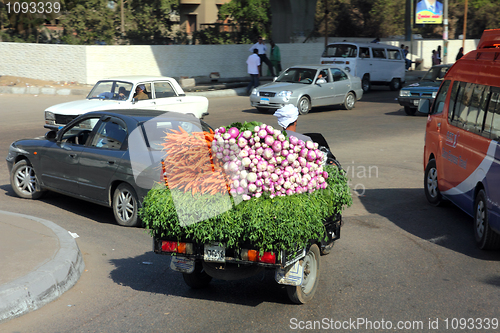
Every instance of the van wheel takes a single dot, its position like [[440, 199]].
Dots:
[[410, 111], [395, 84], [305, 292], [304, 105], [486, 239], [350, 100], [431, 184], [365, 83]]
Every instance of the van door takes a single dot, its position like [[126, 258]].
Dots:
[[364, 62], [380, 65], [396, 65]]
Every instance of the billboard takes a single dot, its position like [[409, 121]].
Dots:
[[429, 12]]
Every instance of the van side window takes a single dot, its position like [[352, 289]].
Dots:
[[378, 53], [394, 54], [492, 122], [364, 52], [483, 105], [463, 103], [438, 105], [453, 98], [472, 118]]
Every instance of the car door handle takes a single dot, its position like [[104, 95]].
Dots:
[[111, 162], [73, 155]]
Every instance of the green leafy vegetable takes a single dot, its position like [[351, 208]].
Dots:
[[280, 223]]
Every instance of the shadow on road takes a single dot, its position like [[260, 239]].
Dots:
[[445, 226], [83, 208], [151, 272]]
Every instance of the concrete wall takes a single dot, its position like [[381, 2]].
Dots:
[[87, 64]]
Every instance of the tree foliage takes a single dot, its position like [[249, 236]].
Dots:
[[239, 21], [248, 20], [23, 22], [384, 18], [98, 21]]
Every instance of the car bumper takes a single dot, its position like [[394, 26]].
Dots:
[[412, 102], [271, 102]]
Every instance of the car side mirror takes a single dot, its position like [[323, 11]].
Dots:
[[320, 81], [51, 135], [424, 106]]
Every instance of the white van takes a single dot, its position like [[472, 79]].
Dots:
[[373, 63]]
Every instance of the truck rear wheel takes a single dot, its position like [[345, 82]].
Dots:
[[198, 279], [305, 292]]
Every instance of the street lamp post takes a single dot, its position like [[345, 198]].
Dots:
[[445, 32]]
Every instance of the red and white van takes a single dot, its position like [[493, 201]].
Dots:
[[462, 152]]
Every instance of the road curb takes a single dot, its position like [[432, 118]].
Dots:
[[46, 283]]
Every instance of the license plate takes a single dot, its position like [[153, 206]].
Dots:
[[264, 101], [215, 253], [415, 102]]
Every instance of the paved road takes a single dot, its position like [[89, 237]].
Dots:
[[399, 259]]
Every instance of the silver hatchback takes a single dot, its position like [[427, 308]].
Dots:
[[307, 87]]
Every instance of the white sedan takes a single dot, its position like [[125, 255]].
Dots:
[[163, 93]]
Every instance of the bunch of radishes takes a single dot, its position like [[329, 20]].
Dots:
[[265, 160]]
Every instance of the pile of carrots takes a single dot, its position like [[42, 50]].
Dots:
[[189, 165]]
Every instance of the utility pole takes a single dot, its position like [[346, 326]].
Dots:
[[122, 18], [326, 23], [445, 32], [465, 25]]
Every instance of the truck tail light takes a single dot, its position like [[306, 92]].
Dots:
[[177, 247], [268, 257], [253, 255]]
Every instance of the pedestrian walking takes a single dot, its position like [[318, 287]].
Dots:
[[275, 58], [253, 68]]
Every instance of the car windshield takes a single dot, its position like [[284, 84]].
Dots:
[[112, 90], [341, 50], [435, 74], [297, 75]]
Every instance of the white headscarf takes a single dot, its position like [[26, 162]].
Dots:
[[287, 115]]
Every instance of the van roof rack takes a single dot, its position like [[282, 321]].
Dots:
[[490, 39]]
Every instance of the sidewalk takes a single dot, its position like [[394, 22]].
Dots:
[[39, 261]]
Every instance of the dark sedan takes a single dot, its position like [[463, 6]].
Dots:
[[112, 158], [412, 95]]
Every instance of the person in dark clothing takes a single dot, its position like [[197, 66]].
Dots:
[[460, 53]]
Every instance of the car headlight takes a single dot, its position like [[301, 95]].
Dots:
[[434, 93], [404, 93], [347, 69], [254, 91], [49, 115], [286, 94]]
